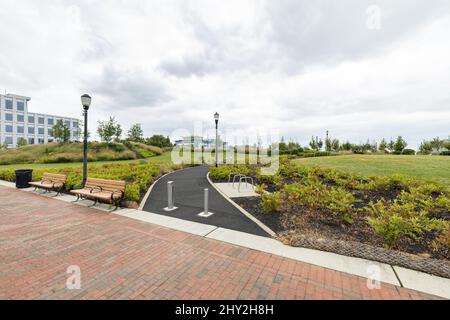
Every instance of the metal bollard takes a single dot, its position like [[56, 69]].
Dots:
[[206, 201], [170, 198], [205, 213]]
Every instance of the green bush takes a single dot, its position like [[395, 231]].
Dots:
[[408, 152], [221, 173], [395, 221], [270, 202], [138, 176], [73, 152]]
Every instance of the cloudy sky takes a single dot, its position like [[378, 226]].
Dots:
[[361, 69]]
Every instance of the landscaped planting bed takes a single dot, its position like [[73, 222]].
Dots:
[[139, 176], [402, 219]]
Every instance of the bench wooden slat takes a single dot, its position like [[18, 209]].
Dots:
[[103, 189]]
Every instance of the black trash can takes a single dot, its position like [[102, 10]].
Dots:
[[23, 177]]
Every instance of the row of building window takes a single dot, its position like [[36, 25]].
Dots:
[[9, 140], [20, 105], [31, 130], [41, 120]]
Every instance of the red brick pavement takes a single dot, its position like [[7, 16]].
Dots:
[[122, 258]]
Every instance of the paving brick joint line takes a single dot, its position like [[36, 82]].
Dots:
[[122, 258]]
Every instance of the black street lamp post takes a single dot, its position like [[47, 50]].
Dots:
[[216, 118], [86, 102]]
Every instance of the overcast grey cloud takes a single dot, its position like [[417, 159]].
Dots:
[[300, 66]]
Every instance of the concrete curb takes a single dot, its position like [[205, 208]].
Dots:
[[147, 194], [242, 210]]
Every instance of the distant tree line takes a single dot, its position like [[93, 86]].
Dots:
[[397, 146]]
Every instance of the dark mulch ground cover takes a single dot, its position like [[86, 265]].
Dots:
[[318, 224]]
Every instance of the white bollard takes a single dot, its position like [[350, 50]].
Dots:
[[170, 200], [205, 213]]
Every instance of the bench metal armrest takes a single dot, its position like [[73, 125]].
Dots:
[[95, 188], [116, 191]]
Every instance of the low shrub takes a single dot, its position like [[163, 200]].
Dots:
[[138, 176], [408, 152], [395, 221], [221, 173], [270, 202]]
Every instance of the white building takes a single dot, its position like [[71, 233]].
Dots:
[[36, 128], [197, 142]]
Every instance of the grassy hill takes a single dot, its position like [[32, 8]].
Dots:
[[73, 152], [427, 167]]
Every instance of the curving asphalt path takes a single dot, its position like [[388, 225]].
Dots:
[[188, 195]]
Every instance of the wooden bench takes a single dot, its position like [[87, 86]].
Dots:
[[51, 181], [111, 191]]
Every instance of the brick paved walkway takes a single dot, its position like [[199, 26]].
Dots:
[[127, 259]]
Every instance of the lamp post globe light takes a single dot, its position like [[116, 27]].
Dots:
[[86, 102], [216, 119]]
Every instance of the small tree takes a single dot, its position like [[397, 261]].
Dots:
[[437, 144], [61, 132], [108, 129], [335, 144], [4, 145], [383, 145], [21, 142], [328, 144], [159, 140], [399, 145], [390, 146], [135, 133], [316, 144]]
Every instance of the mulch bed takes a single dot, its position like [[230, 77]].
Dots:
[[316, 229]]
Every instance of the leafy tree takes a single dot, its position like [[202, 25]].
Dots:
[[425, 147], [108, 129], [328, 144], [399, 144], [437, 144], [21, 142], [61, 132], [390, 146], [383, 145], [347, 146], [135, 133], [159, 140], [316, 144], [335, 144]]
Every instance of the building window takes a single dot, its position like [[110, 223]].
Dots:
[[20, 118], [19, 129], [75, 124], [8, 128], [8, 117], [20, 106], [67, 123], [31, 140], [50, 121], [8, 104], [50, 140], [50, 132], [9, 140], [30, 130], [30, 119], [40, 130], [41, 120], [41, 140]]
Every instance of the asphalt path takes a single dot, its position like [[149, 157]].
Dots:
[[189, 185]]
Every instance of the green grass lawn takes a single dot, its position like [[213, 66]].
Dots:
[[165, 157], [427, 167]]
